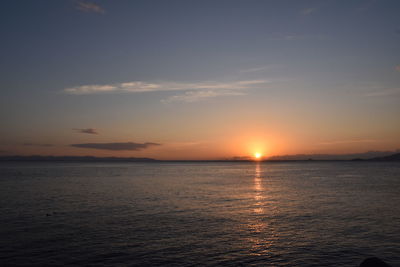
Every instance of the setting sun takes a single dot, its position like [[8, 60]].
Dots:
[[257, 155]]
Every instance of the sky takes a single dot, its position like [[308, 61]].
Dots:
[[199, 79]]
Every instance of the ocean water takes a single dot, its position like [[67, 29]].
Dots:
[[199, 214]]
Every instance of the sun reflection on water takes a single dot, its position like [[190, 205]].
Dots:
[[258, 188], [262, 232]]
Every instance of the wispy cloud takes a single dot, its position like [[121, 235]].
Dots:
[[397, 68], [384, 92], [257, 69], [194, 96], [35, 144], [296, 37], [86, 131], [308, 11], [141, 87], [339, 142], [116, 146], [89, 7]]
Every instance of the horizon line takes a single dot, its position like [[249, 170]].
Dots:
[[283, 158]]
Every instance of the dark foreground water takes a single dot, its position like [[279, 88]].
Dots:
[[208, 214]]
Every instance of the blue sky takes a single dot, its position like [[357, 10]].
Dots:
[[185, 74]]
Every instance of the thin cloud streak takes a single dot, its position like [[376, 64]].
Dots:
[[194, 96], [89, 7], [297, 37], [34, 144], [384, 92], [141, 87], [258, 69], [86, 131], [261, 69], [117, 146], [348, 142]]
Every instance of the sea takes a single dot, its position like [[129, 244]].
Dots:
[[199, 213]]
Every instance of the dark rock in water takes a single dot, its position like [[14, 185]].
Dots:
[[374, 262]]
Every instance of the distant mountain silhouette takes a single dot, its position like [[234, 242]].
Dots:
[[394, 157], [358, 156]]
